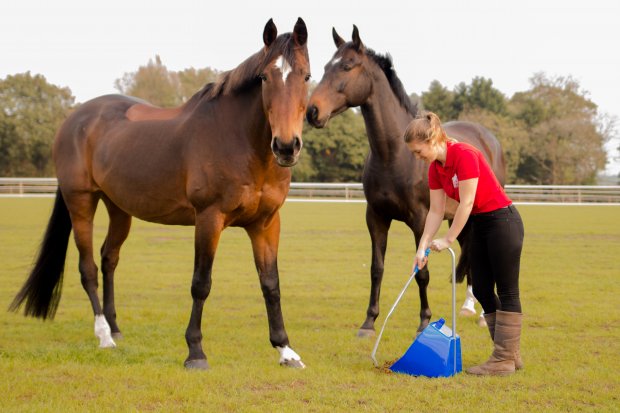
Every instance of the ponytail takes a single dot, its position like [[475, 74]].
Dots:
[[426, 128]]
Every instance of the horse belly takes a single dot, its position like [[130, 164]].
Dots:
[[153, 206]]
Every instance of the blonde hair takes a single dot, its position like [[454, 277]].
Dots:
[[426, 128]]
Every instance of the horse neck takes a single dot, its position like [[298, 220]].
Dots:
[[244, 112], [385, 120]]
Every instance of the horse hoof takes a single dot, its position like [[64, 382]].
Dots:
[[199, 364], [467, 312], [366, 333], [107, 342], [117, 336], [295, 364]]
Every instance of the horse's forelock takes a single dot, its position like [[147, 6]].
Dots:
[[247, 72]]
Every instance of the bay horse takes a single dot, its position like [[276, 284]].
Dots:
[[395, 182], [222, 159]]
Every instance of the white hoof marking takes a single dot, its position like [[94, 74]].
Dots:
[[287, 354], [103, 332], [469, 306]]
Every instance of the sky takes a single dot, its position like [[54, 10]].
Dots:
[[87, 45]]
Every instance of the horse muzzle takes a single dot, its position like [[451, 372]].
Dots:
[[312, 116], [286, 153]]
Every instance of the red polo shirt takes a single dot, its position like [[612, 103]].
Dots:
[[463, 162]]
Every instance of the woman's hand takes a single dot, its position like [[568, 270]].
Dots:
[[440, 244], [420, 258]]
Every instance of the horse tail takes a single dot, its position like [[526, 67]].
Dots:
[[43, 288]]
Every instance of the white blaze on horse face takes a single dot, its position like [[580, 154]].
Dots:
[[284, 67], [287, 353], [103, 332], [335, 61]]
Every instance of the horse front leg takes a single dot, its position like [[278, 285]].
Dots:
[[265, 236], [422, 278], [209, 226], [378, 228]]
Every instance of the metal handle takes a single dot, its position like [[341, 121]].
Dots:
[[413, 274], [453, 342], [415, 271]]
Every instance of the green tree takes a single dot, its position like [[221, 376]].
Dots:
[[335, 153], [11, 149], [32, 111], [440, 100], [192, 80], [153, 83], [161, 87], [480, 94], [566, 133]]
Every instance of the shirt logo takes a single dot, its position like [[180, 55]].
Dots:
[[455, 181]]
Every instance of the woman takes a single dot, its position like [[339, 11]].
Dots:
[[460, 171]]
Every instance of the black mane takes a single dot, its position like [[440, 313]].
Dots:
[[385, 63]]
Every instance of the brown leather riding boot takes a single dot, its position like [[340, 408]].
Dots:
[[506, 336], [490, 319]]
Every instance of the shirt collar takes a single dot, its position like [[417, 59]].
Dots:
[[449, 155]]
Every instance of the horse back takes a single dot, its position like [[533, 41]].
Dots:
[[75, 139], [481, 138], [98, 149]]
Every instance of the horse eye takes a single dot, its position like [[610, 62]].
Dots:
[[308, 77], [347, 67], [263, 77]]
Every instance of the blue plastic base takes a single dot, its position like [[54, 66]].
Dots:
[[432, 353]]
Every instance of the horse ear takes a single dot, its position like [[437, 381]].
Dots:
[[338, 41], [300, 32], [270, 33], [357, 42]]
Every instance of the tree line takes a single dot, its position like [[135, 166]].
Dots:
[[551, 133]]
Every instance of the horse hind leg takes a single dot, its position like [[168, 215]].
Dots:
[[82, 210], [118, 229]]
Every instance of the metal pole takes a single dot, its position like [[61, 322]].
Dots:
[[415, 271], [453, 304]]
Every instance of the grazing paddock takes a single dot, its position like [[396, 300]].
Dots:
[[570, 294]]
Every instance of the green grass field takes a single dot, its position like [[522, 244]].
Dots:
[[569, 289]]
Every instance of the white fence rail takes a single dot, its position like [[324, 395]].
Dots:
[[353, 192]]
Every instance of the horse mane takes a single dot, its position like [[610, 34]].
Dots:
[[246, 74], [386, 65]]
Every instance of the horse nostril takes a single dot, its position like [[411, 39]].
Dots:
[[312, 114], [297, 144], [274, 144]]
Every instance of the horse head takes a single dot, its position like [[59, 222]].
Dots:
[[347, 81], [285, 78]]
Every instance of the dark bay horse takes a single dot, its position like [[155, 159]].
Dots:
[[222, 159], [395, 183]]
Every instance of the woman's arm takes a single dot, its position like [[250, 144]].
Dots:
[[432, 224], [467, 193]]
